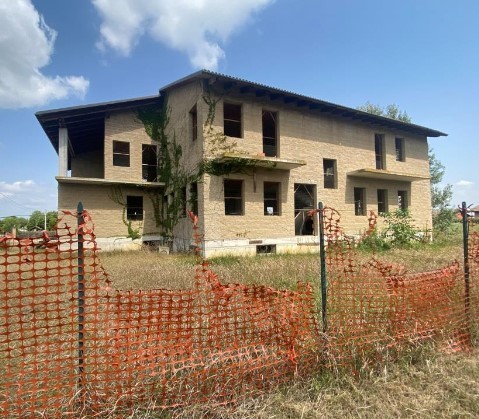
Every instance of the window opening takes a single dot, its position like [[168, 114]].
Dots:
[[359, 202], [382, 201], [121, 153], [134, 208], [233, 190], [399, 142], [264, 249], [149, 163], [271, 198], [270, 134], [232, 120], [304, 202], [329, 170], [194, 197], [379, 148], [194, 123], [402, 200]]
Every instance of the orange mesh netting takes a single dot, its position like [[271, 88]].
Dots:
[[70, 347]]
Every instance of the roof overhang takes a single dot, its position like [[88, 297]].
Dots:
[[228, 85], [86, 123], [107, 182], [250, 160], [387, 175]]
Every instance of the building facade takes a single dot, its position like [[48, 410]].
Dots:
[[254, 160]]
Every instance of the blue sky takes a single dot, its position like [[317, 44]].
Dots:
[[422, 55]]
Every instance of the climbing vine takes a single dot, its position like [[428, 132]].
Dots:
[[170, 169], [170, 207], [116, 195]]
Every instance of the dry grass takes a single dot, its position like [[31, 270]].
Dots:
[[148, 270], [423, 385]]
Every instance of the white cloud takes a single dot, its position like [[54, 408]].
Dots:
[[19, 186], [195, 27], [464, 183], [26, 46]]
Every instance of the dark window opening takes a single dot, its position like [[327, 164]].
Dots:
[[121, 153], [382, 201], [149, 163], [232, 120], [329, 170], [194, 198], [402, 200], [264, 249], [270, 139], [359, 201], [183, 202], [134, 208], [399, 142], [379, 149], [271, 198], [233, 190], [194, 123], [304, 202]]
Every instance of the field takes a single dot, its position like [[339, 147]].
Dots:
[[423, 383]]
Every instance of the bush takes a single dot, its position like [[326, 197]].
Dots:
[[375, 241], [400, 230]]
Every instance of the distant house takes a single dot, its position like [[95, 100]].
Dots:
[[268, 156], [474, 211]]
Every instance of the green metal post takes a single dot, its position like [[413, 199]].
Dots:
[[81, 294], [465, 239], [322, 257]]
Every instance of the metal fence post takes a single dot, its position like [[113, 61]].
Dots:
[[81, 295], [322, 258], [465, 240]]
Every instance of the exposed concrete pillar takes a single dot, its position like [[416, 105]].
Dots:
[[62, 151]]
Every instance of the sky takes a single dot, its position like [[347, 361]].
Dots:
[[422, 55]]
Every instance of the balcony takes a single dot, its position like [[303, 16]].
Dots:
[[381, 174], [251, 160]]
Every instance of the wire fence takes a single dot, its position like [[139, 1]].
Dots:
[[70, 344]]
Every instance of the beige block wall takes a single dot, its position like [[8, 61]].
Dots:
[[311, 137], [106, 213], [124, 126], [180, 101], [88, 165], [302, 135]]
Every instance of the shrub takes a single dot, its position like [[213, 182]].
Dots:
[[374, 241], [400, 229]]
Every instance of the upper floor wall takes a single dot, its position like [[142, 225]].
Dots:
[[260, 127]]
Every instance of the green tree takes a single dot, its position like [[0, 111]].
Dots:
[[440, 197], [391, 111], [443, 215], [36, 221], [7, 224], [52, 219]]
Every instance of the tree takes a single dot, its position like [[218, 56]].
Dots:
[[443, 215], [36, 221], [7, 224], [391, 111], [52, 219], [440, 197]]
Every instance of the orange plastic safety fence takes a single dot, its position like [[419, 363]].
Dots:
[[215, 342]]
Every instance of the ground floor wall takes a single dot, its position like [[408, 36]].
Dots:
[[107, 206], [256, 231]]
